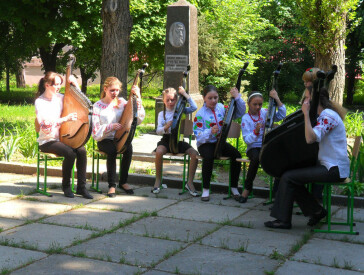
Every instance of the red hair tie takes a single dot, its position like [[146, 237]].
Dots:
[[309, 70]]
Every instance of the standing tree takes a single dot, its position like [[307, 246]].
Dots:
[[117, 24], [325, 33], [50, 25]]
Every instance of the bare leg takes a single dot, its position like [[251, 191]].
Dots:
[[161, 150], [193, 166]]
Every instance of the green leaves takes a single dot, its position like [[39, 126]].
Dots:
[[325, 22]]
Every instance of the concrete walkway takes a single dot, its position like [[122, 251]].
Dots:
[[159, 234]]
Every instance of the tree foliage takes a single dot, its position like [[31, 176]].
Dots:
[[51, 23], [280, 42], [227, 30], [354, 52], [147, 37], [323, 22]]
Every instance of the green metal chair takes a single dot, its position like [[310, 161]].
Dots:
[[187, 131], [349, 182], [45, 157], [97, 155], [234, 132]]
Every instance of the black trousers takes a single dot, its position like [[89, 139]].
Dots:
[[109, 147], [207, 150], [69, 154], [253, 155], [292, 188]]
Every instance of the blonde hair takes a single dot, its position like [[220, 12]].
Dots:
[[310, 74], [165, 92], [111, 80]]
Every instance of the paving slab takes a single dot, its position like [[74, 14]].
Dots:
[[169, 193], [87, 218], [292, 267], [126, 248], [359, 239], [104, 187], [44, 236], [134, 204], [58, 197], [256, 218], [11, 190], [65, 265], [2, 199], [11, 257], [358, 214], [204, 212], [332, 253], [251, 240], [6, 223], [220, 199], [30, 210], [157, 272], [10, 177], [168, 228], [199, 259]]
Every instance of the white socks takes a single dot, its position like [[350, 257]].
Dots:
[[205, 192], [235, 191]]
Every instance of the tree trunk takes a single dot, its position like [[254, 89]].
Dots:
[[335, 57], [350, 82], [7, 79], [20, 79], [49, 56], [117, 24], [84, 78]]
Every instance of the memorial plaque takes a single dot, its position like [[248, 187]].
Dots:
[[181, 49]]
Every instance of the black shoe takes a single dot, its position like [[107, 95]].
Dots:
[[243, 199], [84, 193], [111, 195], [315, 219], [127, 191], [278, 224], [68, 192]]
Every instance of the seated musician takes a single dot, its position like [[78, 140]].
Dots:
[[252, 127], [333, 164], [48, 108], [165, 119], [207, 126], [105, 121]]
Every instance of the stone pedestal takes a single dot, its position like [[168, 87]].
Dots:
[[181, 49]]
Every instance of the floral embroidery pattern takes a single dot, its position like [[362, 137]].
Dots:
[[46, 128]]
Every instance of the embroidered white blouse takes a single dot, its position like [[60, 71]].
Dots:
[[207, 118], [104, 115], [249, 122], [48, 113], [169, 116], [331, 135]]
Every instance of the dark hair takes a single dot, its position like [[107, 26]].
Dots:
[[49, 78], [207, 89], [326, 103], [250, 97]]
